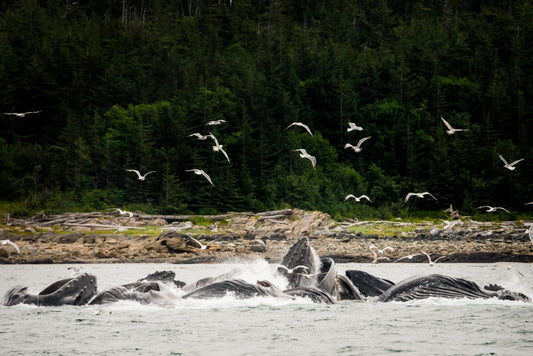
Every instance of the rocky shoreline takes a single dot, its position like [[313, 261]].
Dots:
[[111, 238]]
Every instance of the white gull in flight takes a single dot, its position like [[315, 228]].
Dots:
[[302, 125], [304, 154], [509, 166], [357, 148], [201, 172], [139, 175], [451, 130]]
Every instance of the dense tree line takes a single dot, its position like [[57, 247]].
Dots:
[[122, 84]]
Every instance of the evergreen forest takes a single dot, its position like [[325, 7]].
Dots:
[[122, 84]]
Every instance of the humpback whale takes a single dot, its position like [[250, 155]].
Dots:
[[367, 284], [238, 287], [71, 291], [301, 254], [440, 286]]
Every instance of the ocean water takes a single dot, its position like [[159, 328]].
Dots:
[[265, 325]]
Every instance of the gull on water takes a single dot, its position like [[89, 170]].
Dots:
[[139, 175], [509, 166], [302, 125], [357, 148], [218, 147], [304, 154], [202, 246], [22, 114], [431, 263], [491, 209], [418, 195], [9, 242], [75, 270], [200, 136], [353, 127], [451, 130], [200, 172], [357, 199], [215, 122]]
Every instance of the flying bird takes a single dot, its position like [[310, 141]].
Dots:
[[409, 257], [357, 199], [200, 136], [509, 166], [353, 127], [304, 154], [358, 147], [124, 212], [491, 209], [9, 242], [302, 125], [22, 114], [374, 248], [218, 147], [298, 269], [215, 122], [418, 195], [201, 172], [139, 175], [375, 252], [431, 263], [451, 130], [202, 246]]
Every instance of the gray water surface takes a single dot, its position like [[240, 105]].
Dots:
[[265, 325]]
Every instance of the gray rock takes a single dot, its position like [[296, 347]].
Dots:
[[435, 232], [258, 246]]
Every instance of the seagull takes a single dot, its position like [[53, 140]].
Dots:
[[431, 263], [75, 270], [353, 127], [509, 166], [298, 269], [448, 225], [358, 147], [491, 209], [374, 248], [302, 125], [418, 195], [357, 199], [451, 130], [218, 147], [124, 212], [202, 246], [5, 242], [304, 154], [200, 136], [409, 257], [200, 172], [141, 177], [22, 114], [215, 122]]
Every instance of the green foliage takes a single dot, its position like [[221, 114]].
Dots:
[[124, 90]]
